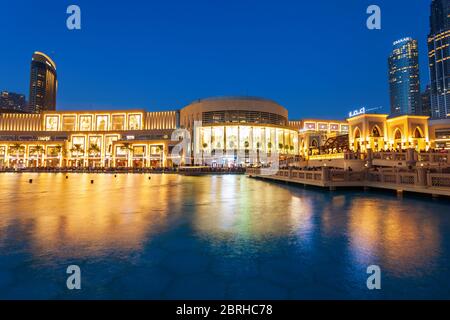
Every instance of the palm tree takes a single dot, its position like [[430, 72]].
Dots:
[[39, 150], [77, 149], [94, 149], [280, 146], [204, 145], [269, 146], [16, 148], [128, 148], [60, 152], [258, 145], [246, 146]]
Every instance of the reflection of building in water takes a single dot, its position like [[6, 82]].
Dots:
[[224, 216], [67, 221], [402, 242]]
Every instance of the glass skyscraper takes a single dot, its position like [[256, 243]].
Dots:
[[439, 55], [43, 83], [404, 78]]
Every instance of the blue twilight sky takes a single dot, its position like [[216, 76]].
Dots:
[[317, 58]]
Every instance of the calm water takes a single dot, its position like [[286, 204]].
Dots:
[[215, 237]]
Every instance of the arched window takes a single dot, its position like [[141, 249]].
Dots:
[[398, 135], [357, 133], [376, 132], [418, 133]]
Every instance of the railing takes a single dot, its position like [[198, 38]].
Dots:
[[395, 156], [290, 174], [438, 180], [419, 178], [434, 157]]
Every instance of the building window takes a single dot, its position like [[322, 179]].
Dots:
[[51, 123], [69, 123], [118, 122], [102, 123], [134, 122], [85, 123]]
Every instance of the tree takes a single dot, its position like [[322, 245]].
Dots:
[[258, 145], [94, 149], [39, 150], [128, 148], [269, 146], [280, 146], [16, 148], [60, 152], [77, 149], [204, 146]]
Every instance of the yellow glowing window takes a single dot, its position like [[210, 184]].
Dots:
[[102, 123], [118, 122], [51, 123], [134, 122], [85, 123], [69, 123], [139, 151]]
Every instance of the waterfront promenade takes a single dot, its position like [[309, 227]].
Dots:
[[418, 181]]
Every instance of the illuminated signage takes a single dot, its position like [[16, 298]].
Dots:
[[355, 113], [44, 138], [401, 41]]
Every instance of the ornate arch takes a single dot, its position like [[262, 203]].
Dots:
[[376, 132], [418, 133], [398, 134]]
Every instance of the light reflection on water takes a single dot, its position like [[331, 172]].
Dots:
[[235, 237]]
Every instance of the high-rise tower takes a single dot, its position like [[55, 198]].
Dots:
[[43, 83], [404, 79], [439, 58]]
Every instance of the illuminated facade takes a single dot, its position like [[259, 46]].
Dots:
[[317, 134], [243, 130], [439, 58], [132, 138], [404, 78], [43, 83], [380, 133], [238, 131]]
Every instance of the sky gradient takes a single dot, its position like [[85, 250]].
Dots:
[[317, 59]]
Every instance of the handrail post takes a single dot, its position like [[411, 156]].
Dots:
[[422, 177]]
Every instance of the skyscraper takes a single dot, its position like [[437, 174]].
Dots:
[[404, 79], [12, 102], [439, 55], [426, 102], [43, 83]]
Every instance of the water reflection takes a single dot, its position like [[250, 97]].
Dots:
[[249, 209], [56, 218], [73, 217], [397, 233]]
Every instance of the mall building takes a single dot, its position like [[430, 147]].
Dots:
[[243, 130], [380, 132]]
